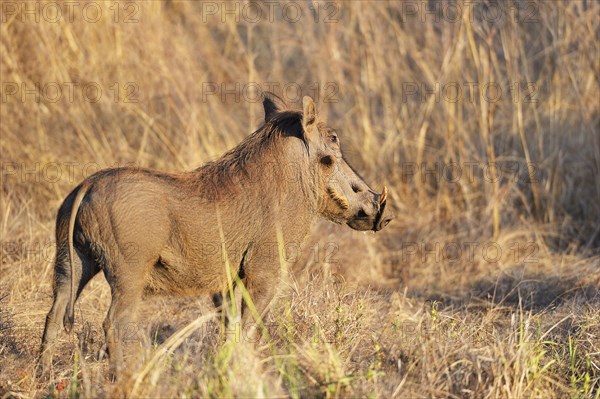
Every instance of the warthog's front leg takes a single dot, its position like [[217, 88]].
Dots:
[[229, 308], [261, 289], [120, 324]]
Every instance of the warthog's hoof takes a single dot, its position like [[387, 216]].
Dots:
[[43, 369]]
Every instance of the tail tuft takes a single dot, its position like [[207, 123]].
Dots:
[[69, 319]]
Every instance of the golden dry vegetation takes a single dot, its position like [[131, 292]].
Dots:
[[486, 285]]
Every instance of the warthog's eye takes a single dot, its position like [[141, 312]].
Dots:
[[333, 138], [327, 160]]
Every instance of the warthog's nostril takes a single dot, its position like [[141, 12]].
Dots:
[[362, 215]]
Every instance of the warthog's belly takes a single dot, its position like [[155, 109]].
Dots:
[[175, 275]]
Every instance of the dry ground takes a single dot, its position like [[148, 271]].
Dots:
[[485, 286]]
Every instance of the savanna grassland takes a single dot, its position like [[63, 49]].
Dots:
[[482, 120]]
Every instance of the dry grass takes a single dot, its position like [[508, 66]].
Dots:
[[426, 308]]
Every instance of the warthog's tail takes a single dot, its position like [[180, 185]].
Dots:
[[69, 317]]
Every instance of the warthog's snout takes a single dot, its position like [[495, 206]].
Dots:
[[372, 215]]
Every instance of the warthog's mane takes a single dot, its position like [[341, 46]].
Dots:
[[232, 169]]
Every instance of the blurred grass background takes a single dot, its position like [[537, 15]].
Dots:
[[153, 68]]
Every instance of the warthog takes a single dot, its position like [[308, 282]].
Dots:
[[148, 231]]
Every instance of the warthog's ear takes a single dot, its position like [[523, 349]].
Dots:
[[309, 116], [273, 104]]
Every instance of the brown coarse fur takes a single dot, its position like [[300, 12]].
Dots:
[[194, 232]]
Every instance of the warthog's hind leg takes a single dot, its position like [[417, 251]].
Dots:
[[62, 287], [54, 322]]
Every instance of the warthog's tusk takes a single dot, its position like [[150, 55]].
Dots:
[[383, 196]]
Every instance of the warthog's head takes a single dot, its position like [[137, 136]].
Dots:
[[342, 195]]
